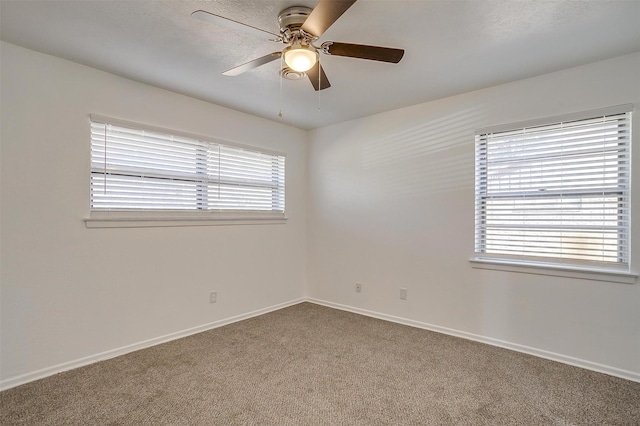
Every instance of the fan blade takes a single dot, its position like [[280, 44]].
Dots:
[[231, 24], [324, 15], [253, 64], [374, 53], [318, 83]]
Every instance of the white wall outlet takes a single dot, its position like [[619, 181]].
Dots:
[[213, 297], [358, 287], [403, 293]]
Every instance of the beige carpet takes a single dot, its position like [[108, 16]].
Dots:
[[311, 365]]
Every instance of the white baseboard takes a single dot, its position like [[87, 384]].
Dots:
[[49, 371], [577, 362]]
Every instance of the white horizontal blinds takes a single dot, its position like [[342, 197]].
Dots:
[[142, 170], [555, 193], [134, 169], [250, 180]]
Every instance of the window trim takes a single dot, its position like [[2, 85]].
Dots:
[[177, 218], [608, 274], [148, 219], [553, 270]]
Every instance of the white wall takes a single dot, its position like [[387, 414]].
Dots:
[[391, 204], [69, 292]]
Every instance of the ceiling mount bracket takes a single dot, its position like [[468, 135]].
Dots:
[[292, 18]]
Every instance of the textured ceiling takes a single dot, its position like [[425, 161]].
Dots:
[[450, 47]]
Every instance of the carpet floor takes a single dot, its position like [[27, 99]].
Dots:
[[312, 365]]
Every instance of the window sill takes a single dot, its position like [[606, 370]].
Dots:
[[153, 219], [555, 271]]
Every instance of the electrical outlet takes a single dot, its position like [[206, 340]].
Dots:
[[213, 297], [403, 293], [358, 287]]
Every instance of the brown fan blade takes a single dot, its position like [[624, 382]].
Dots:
[[324, 15], [253, 64], [231, 24], [374, 53], [321, 83]]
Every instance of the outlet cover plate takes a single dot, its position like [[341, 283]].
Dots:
[[403, 293]]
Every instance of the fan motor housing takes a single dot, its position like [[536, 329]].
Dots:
[[293, 17]]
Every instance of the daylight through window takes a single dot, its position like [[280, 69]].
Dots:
[[556, 193], [142, 170]]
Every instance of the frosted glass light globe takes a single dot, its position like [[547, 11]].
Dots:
[[300, 58]]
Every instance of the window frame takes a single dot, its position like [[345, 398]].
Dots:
[[564, 268], [137, 218]]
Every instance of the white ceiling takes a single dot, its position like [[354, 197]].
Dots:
[[451, 47]]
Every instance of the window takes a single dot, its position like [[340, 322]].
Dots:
[[556, 192], [145, 170]]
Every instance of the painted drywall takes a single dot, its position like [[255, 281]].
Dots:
[[388, 203], [391, 205], [69, 292]]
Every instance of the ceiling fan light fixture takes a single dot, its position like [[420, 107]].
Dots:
[[300, 57]]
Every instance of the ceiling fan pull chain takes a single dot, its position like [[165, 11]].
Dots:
[[281, 77], [319, 84]]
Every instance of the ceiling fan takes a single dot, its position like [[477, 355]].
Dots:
[[300, 28]]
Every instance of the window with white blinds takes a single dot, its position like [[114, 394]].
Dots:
[[556, 192], [135, 169]]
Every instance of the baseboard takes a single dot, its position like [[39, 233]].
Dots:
[[50, 371], [577, 362]]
